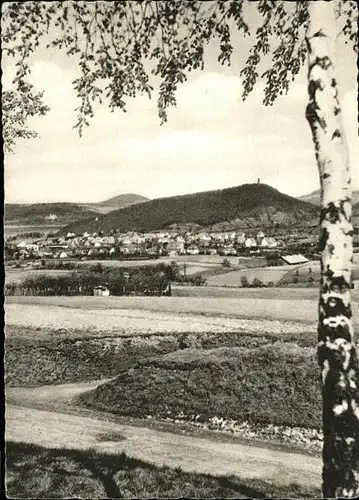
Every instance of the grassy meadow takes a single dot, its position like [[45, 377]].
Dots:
[[39, 472], [197, 383]]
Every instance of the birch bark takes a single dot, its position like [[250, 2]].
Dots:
[[337, 351]]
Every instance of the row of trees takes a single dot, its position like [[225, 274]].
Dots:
[[143, 280], [83, 283]]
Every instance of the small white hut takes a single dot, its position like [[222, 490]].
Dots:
[[101, 291]]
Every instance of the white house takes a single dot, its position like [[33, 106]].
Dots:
[[271, 242], [22, 244], [230, 235], [204, 237], [250, 242], [138, 239], [31, 247], [192, 250], [229, 250], [109, 240], [217, 236], [51, 217], [241, 238], [175, 248]]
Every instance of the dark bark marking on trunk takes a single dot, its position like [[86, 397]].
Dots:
[[318, 33], [334, 213], [336, 134], [323, 62], [323, 239]]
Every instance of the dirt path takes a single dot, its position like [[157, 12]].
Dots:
[[199, 455], [61, 393], [192, 454]]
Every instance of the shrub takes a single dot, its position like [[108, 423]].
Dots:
[[257, 283], [10, 288], [174, 271], [97, 268], [197, 279], [244, 282], [226, 263], [273, 259]]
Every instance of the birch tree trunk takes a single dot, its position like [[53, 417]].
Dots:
[[337, 351]]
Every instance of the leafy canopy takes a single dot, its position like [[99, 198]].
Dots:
[[123, 47]]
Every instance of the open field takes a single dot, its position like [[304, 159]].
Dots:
[[19, 275], [304, 272], [200, 260], [123, 312], [265, 274], [135, 321], [253, 261], [193, 263], [179, 290]]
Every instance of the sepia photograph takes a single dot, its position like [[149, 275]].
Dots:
[[181, 248]]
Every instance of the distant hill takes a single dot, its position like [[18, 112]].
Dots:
[[65, 213], [242, 207], [36, 213], [115, 203], [314, 197]]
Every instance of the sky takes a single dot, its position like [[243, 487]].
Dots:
[[212, 139]]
